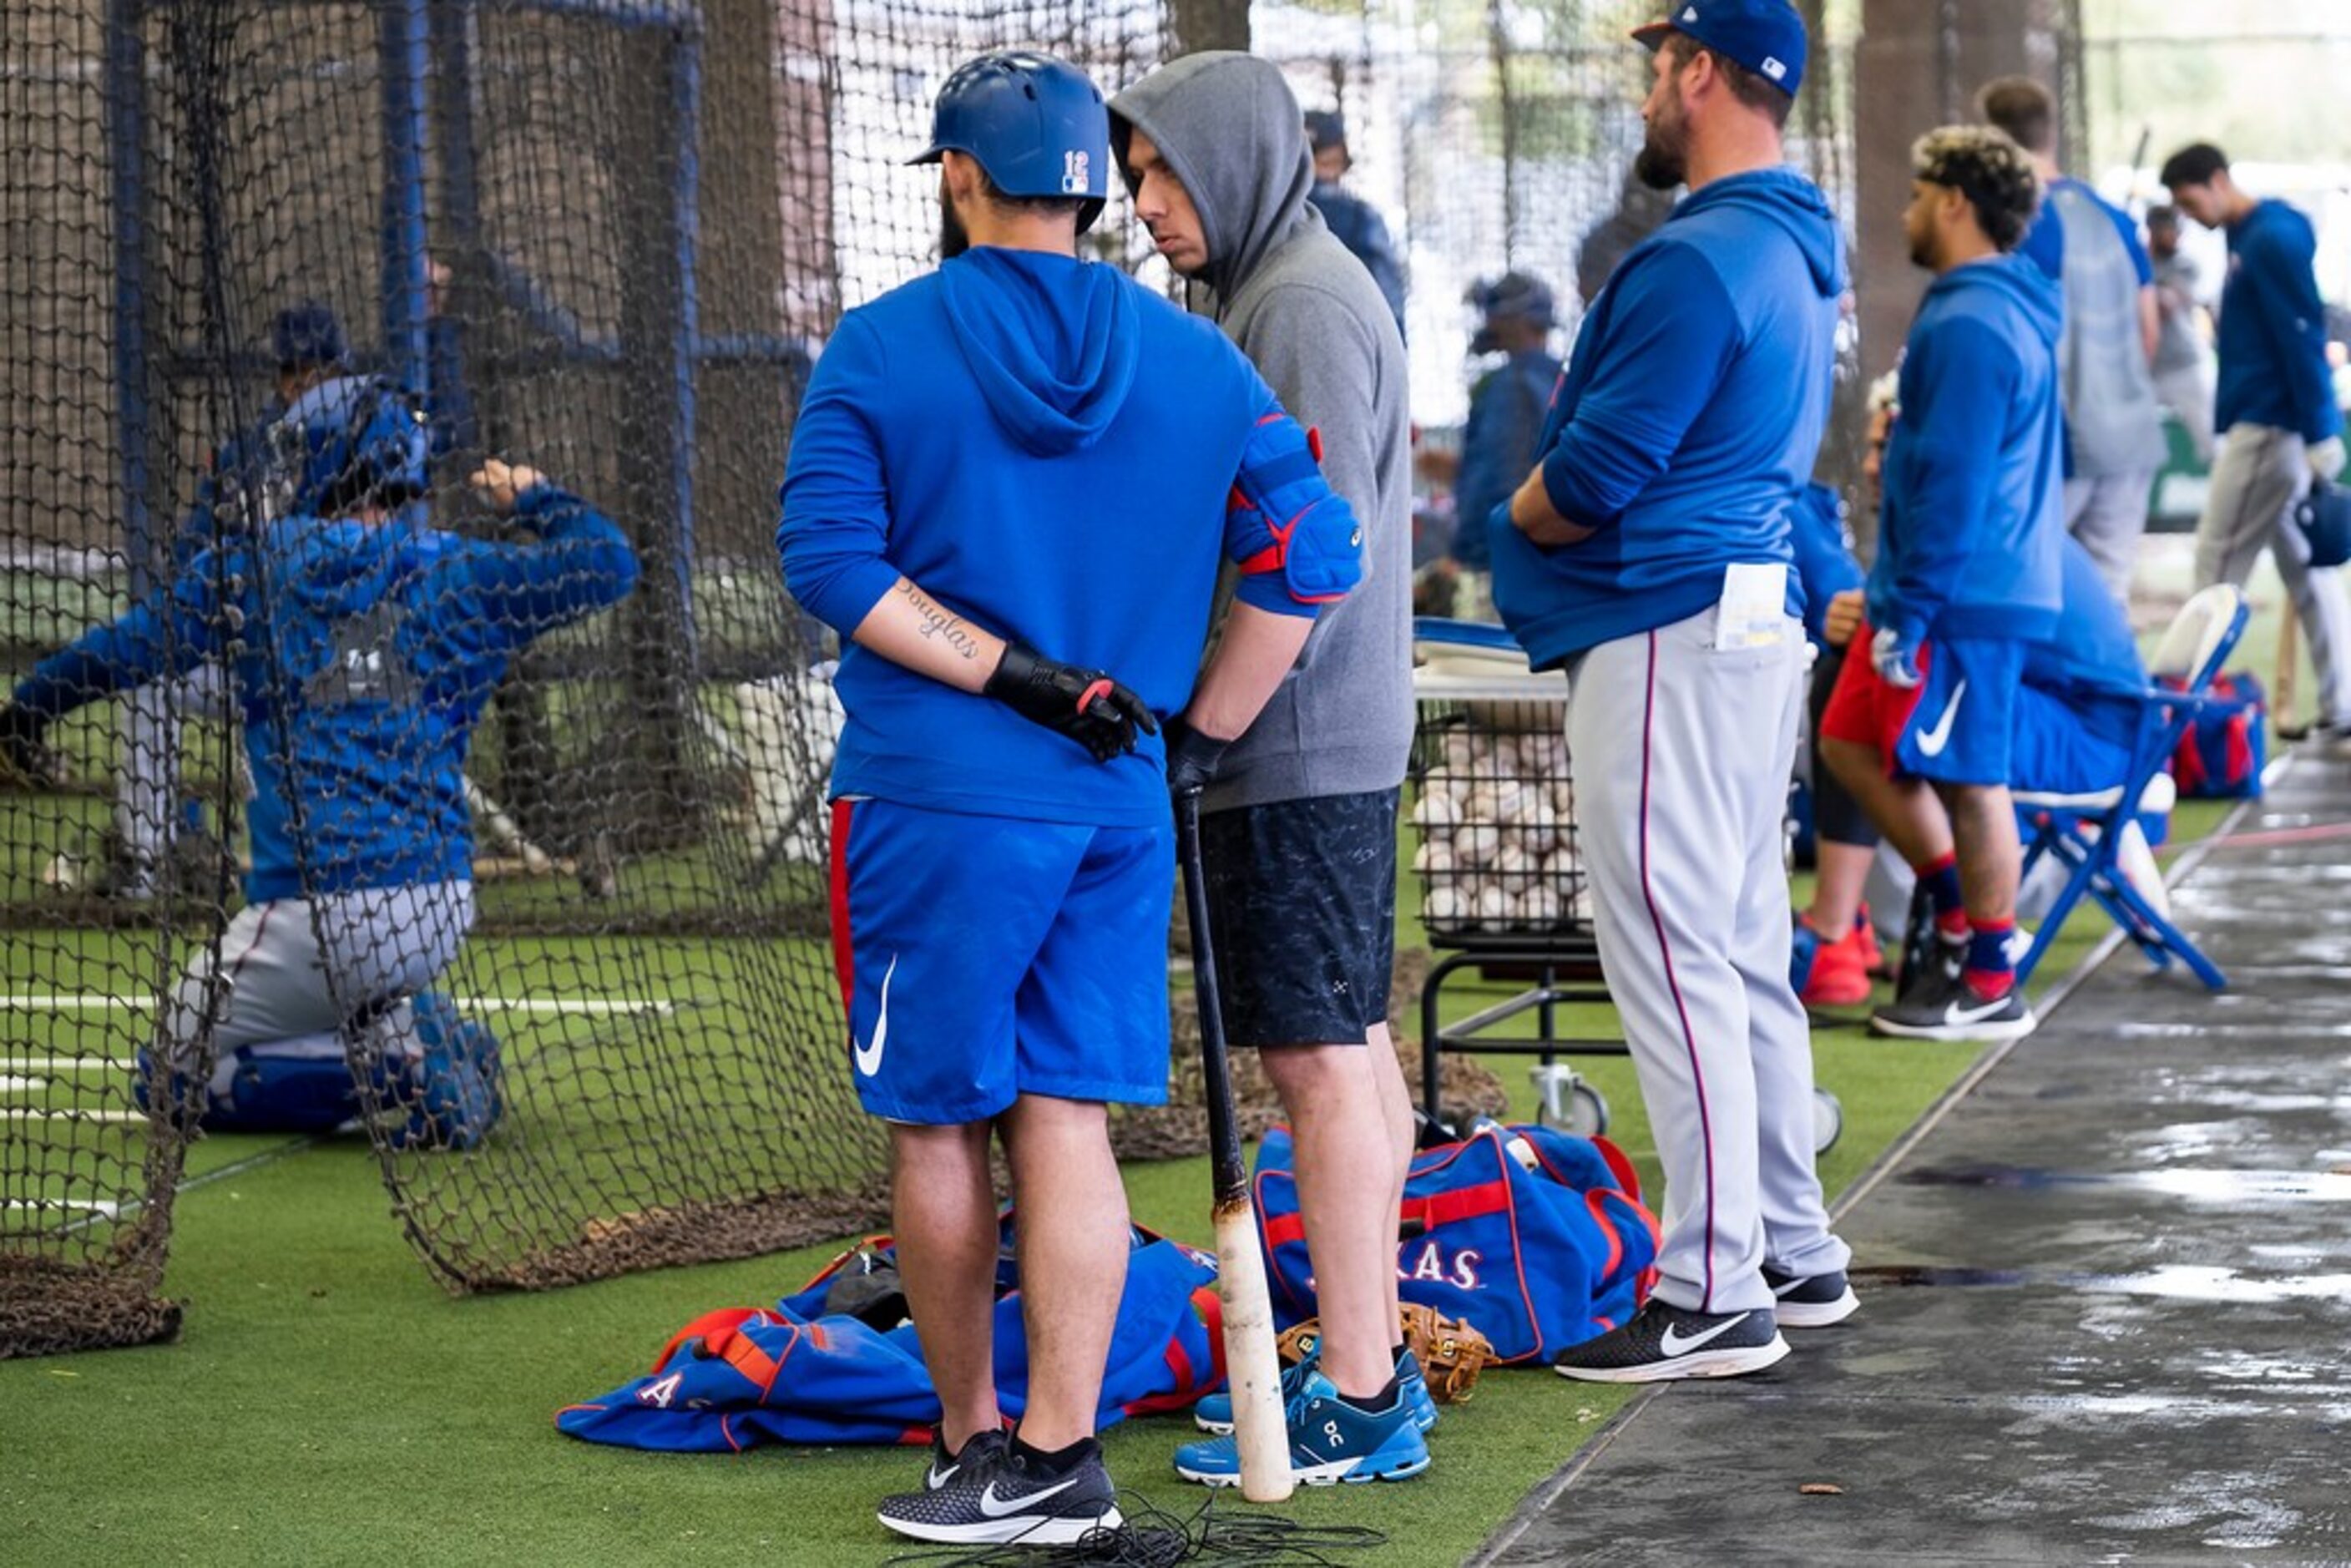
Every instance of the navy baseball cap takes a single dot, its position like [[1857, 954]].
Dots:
[[1767, 36], [307, 334]]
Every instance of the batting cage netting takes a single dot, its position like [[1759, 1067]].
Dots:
[[412, 730]]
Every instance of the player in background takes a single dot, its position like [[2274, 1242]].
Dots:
[[1648, 555], [2114, 420], [2275, 405], [1354, 222], [1299, 834], [1008, 490], [360, 651], [1967, 576]]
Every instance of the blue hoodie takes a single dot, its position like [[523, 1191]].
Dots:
[[1969, 536], [1047, 448], [2273, 334], [1687, 421], [366, 654], [1825, 566]]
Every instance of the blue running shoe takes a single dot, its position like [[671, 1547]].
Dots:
[[1332, 1440], [1213, 1413]]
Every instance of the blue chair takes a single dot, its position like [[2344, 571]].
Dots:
[[2086, 833]]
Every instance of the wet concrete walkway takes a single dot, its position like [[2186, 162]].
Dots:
[[2107, 1297]]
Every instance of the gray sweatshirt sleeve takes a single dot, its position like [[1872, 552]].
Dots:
[[1313, 350]]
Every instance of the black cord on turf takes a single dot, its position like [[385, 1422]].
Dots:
[[1153, 1537]]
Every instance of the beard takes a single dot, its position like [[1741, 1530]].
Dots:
[[1663, 161], [1922, 251], [954, 238]]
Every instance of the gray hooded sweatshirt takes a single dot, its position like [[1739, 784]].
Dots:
[[1309, 316]]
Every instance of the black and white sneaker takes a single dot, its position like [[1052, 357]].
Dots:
[[1810, 1300], [1663, 1342], [981, 1448], [998, 1497], [1942, 1006]]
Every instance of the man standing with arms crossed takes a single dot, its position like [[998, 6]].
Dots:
[[1648, 555], [1045, 448], [2113, 421], [1968, 576], [1301, 832], [2275, 404]]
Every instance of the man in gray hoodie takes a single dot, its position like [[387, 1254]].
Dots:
[[1301, 832]]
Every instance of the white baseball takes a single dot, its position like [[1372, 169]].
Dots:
[[1437, 809], [1493, 904], [1434, 858], [1475, 844]]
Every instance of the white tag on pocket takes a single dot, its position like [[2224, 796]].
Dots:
[[1754, 611]]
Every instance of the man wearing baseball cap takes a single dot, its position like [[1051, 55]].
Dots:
[[1648, 555]]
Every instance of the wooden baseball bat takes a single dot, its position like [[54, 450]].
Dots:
[[1251, 1369], [2283, 698]]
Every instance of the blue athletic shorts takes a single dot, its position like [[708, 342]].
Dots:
[[1962, 729], [982, 958]]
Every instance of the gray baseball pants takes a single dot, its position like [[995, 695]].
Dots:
[[383, 945], [147, 786], [2263, 471], [2108, 515], [1681, 756]]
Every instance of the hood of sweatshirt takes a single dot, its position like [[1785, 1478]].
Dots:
[[1790, 201], [2019, 278], [1051, 340], [1231, 133]]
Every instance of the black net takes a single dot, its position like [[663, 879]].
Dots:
[[273, 260]]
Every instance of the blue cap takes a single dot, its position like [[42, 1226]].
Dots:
[[1767, 36], [1038, 125], [307, 334]]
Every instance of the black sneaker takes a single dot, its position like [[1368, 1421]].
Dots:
[[1663, 1342], [998, 1498], [981, 1450], [1810, 1300], [1944, 1006]]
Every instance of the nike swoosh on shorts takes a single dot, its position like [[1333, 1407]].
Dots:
[[869, 1057], [1932, 742]]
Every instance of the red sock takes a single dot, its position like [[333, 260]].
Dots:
[[1990, 974], [1940, 878]]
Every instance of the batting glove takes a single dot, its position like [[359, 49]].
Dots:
[[2326, 459], [1087, 706], [1192, 757], [21, 750], [1897, 665]]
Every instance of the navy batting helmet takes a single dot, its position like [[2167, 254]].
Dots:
[[352, 442], [308, 335], [1037, 125]]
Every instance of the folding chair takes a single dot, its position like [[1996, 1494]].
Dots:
[[2084, 832]]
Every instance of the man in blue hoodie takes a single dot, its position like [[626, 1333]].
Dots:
[[360, 652], [1647, 555], [1967, 575], [2275, 404], [1025, 451]]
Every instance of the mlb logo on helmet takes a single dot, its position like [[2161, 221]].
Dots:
[[1767, 36], [1074, 180]]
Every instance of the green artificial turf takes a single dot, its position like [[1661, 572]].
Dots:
[[329, 1404]]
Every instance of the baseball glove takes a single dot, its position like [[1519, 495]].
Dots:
[[1451, 1353]]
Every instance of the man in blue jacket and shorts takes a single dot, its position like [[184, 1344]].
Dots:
[[1967, 576], [1008, 492]]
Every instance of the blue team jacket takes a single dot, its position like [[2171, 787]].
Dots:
[[361, 655], [1047, 449], [1967, 541], [1688, 419], [2273, 334]]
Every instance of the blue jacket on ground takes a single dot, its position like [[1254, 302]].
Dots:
[[1688, 419], [2273, 334], [1497, 447], [1045, 448], [2090, 661], [366, 654], [1825, 566], [1968, 541]]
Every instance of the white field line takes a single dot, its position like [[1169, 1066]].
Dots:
[[583, 1006], [10, 1084], [102, 1207], [111, 1118], [66, 1064]]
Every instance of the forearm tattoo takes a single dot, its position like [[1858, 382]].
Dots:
[[937, 624]]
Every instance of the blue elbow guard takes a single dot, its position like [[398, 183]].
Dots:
[[1295, 524]]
